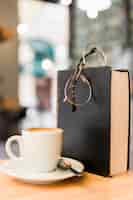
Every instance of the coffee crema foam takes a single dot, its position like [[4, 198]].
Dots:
[[31, 130]]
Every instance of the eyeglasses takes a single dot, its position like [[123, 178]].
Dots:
[[78, 75]]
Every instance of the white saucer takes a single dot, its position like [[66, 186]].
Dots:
[[13, 168]]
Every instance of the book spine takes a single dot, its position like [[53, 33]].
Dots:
[[129, 125]]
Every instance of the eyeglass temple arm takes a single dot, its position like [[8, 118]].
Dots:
[[92, 51]]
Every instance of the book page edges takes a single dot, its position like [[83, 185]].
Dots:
[[119, 122]]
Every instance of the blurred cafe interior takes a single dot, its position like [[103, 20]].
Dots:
[[38, 38]]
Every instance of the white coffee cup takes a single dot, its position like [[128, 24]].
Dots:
[[40, 148]]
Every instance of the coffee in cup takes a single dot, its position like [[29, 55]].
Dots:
[[40, 148]]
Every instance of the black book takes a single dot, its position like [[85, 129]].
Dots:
[[98, 133]]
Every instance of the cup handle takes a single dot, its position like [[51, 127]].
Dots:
[[8, 146]]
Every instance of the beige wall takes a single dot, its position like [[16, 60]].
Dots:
[[8, 50]]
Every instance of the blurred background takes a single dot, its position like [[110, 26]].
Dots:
[[38, 38]]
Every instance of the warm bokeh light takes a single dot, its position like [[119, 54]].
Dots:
[[92, 13], [66, 2], [94, 7], [47, 64], [22, 28]]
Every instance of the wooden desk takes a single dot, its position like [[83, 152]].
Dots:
[[89, 187]]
